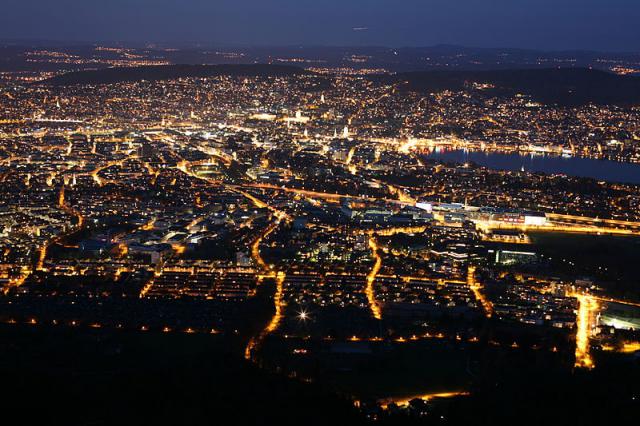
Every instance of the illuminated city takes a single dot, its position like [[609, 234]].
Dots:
[[379, 237]]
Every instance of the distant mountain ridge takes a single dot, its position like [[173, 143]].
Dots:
[[170, 72], [19, 56], [562, 86]]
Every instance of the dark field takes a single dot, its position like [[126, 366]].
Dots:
[[611, 260], [96, 377], [71, 377]]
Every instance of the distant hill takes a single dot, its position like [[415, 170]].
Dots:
[[169, 72], [562, 86]]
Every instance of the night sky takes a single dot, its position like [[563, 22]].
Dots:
[[611, 25]]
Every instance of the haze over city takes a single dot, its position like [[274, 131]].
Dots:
[[539, 24]]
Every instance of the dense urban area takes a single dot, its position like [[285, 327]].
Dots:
[[304, 214]]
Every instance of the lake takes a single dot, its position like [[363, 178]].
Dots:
[[604, 170]]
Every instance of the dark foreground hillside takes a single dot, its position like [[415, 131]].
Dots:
[[562, 86], [57, 376], [63, 376], [169, 72]]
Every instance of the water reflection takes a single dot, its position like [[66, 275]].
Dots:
[[605, 170]]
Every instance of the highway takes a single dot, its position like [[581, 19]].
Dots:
[[476, 288], [42, 253], [404, 401], [255, 342], [371, 278], [553, 226], [556, 223], [585, 323]]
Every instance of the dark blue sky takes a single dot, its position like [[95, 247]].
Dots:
[[612, 25]]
